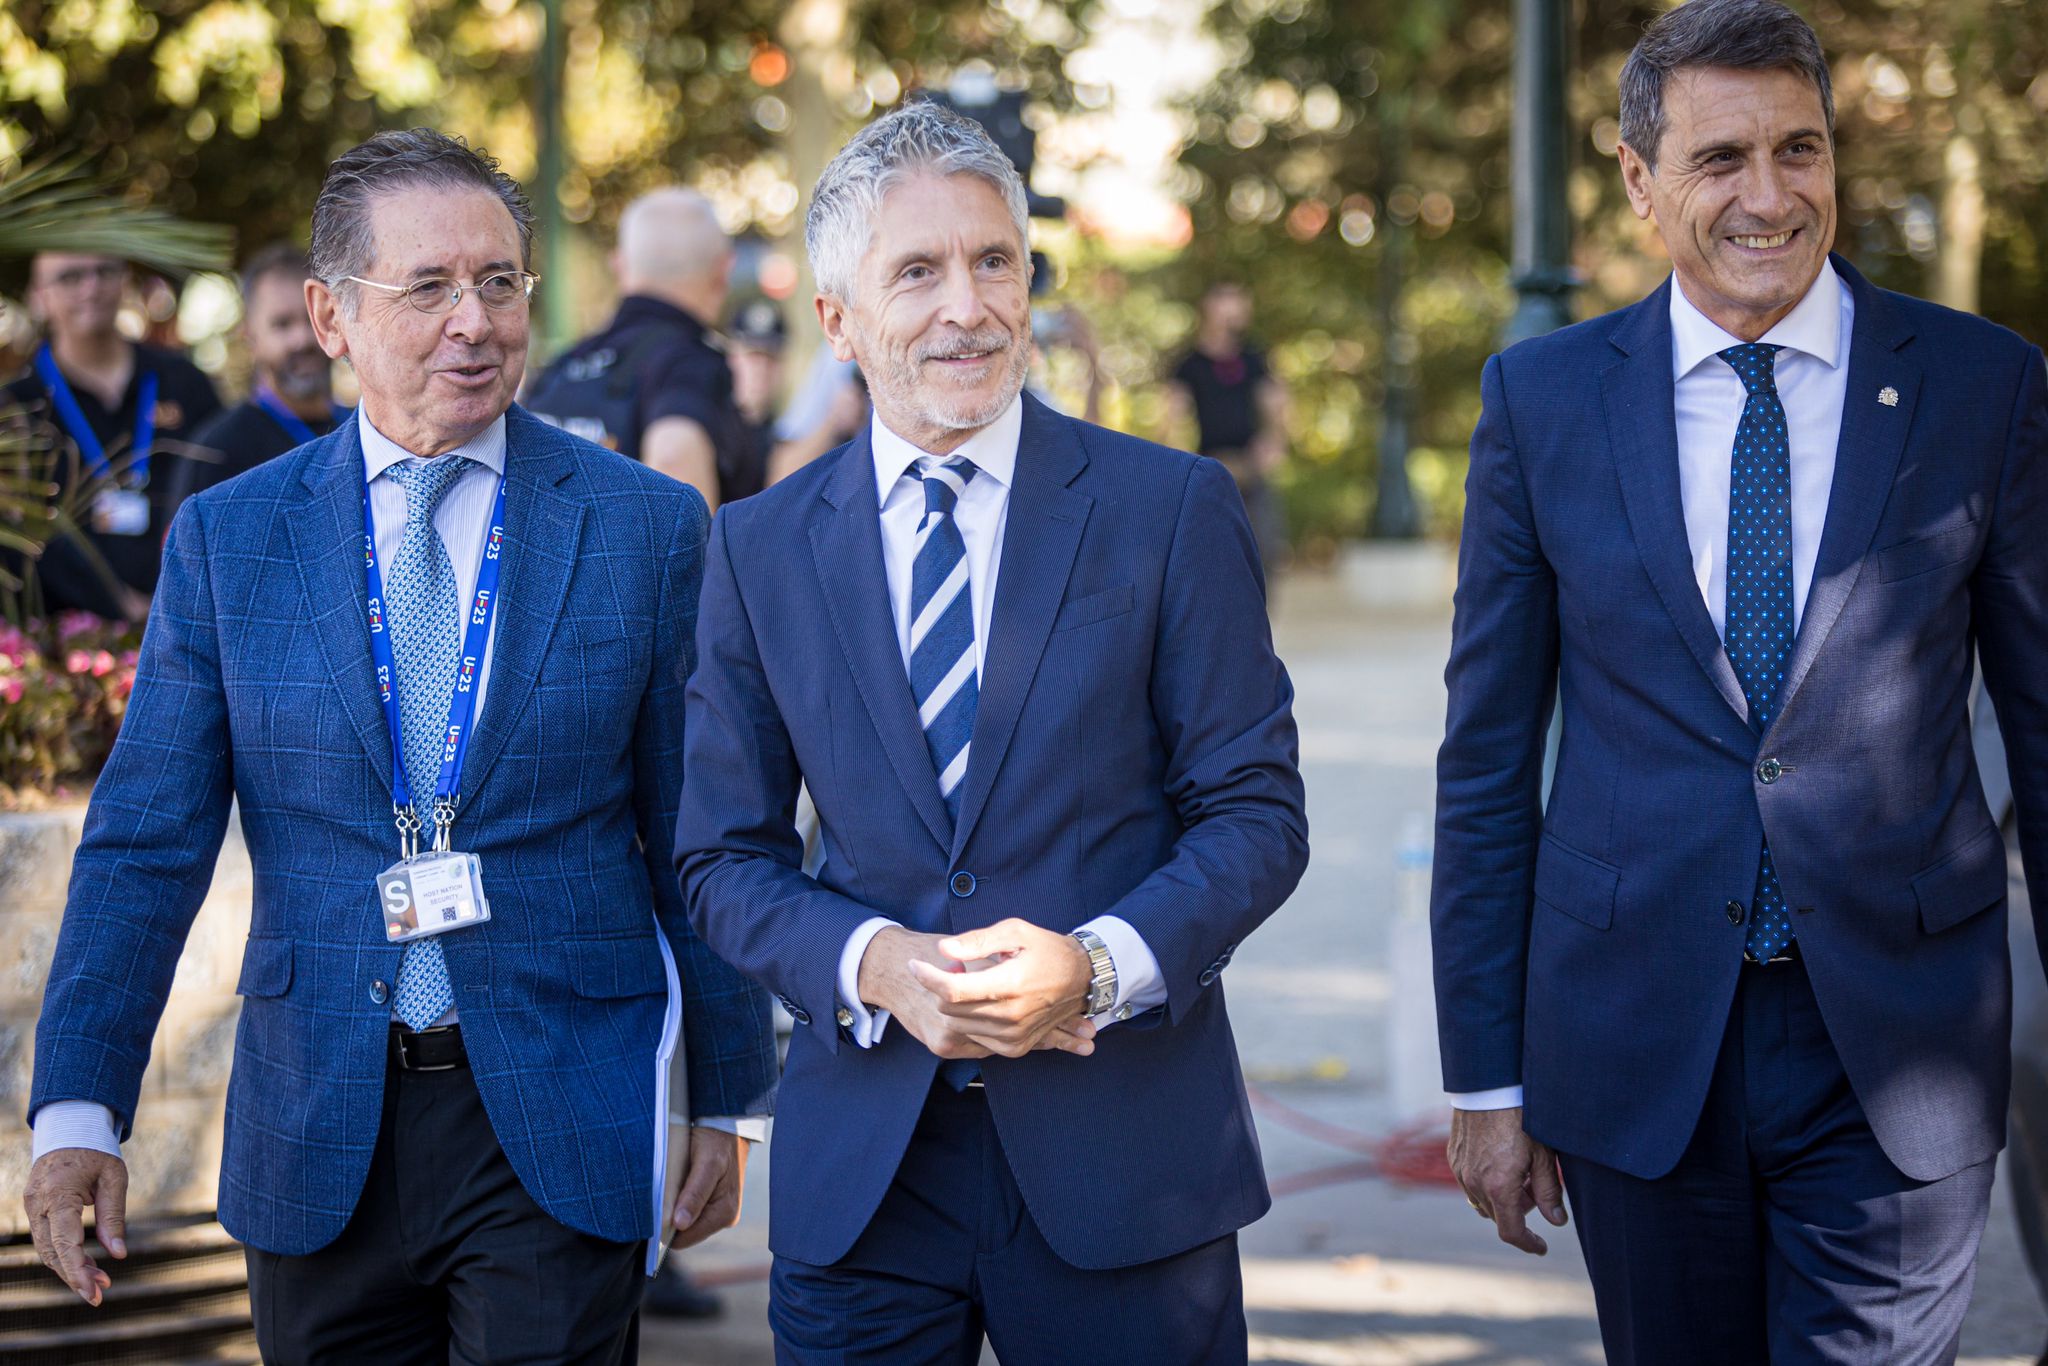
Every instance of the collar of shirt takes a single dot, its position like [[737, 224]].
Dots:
[[993, 450], [1818, 326], [380, 452]]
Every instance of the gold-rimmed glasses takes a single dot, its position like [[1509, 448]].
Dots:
[[440, 294]]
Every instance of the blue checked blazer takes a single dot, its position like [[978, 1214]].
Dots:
[[1585, 948], [1134, 754], [256, 685]]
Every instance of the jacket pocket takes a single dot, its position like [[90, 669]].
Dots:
[[604, 969], [266, 966], [1095, 607], [1576, 884], [1962, 884], [1910, 558]]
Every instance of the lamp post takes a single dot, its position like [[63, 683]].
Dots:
[[1540, 144], [556, 289]]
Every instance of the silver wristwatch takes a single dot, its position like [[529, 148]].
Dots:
[[1102, 984]]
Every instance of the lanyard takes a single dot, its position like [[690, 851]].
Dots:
[[294, 426], [73, 418], [461, 708]]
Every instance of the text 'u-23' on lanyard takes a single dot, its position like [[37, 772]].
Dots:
[[461, 707]]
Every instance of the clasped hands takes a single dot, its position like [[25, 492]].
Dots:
[[1007, 990]]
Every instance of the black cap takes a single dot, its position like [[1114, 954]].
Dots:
[[758, 324]]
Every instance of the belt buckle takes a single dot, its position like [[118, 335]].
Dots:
[[406, 1063]]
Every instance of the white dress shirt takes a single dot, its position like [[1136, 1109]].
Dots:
[[463, 518], [981, 514], [1813, 384]]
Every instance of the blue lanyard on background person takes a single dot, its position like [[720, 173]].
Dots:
[[461, 707], [88, 441], [294, 426]]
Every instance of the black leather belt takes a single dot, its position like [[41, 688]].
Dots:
[[428, 1050], [1788, 954]]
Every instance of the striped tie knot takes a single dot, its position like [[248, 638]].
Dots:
[[1756, 364], [943, 485]]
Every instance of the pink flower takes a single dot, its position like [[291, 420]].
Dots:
[[102, 664], [78, 662], [11, 689], [71, 625]]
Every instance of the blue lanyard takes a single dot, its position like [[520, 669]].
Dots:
[[294, 426], [462, 707], [73, 418]]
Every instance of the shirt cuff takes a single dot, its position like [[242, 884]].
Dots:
[[867, 1024], [1499, 1098], [1139, 983], [753, 1128], [75, 1124]]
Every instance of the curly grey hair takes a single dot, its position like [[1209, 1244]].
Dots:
[[919, 137]]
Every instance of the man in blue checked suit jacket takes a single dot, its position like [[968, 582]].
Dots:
[[429, 1159], [1023, 665], [1745, 972]]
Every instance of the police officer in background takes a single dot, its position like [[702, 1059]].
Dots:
[[654, 384], [292, 399], [127, 410], [783, 439]]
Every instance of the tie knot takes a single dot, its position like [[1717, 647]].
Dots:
[[944, 483], [1756, 365], [425, 481]]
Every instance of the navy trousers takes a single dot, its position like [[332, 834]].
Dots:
[[1784, 1235], [952, 1254]]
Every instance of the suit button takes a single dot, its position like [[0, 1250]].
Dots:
[[379, 993], [1735, 912], [1769, 771], [802, 1017], [963, 884], [1208, 977], [845, 1018]]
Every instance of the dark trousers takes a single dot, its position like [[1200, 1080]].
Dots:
[[1784, 1235], [447, 1259], [952, 1254]]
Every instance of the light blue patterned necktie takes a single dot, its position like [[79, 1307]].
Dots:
[[944, 673], [426, 642], [1759, 609]]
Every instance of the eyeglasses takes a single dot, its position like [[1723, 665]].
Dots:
[[106, 272], [439, 294]]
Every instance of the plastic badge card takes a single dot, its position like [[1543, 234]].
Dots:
[[432, 894]]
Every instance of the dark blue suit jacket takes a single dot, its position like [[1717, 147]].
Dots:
[[1134, 754], [1586, 950], [256, 684]]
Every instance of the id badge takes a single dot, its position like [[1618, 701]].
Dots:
[[432, 894], [120, 512]]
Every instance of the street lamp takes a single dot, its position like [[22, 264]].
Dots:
[[1539, 140]]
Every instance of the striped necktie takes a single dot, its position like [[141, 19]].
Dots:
[[944, 673]]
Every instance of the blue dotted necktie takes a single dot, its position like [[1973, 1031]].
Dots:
[[1759, 608], [426, 641], [944, 673]]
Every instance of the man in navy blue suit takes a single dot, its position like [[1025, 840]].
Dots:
[[445, 615], [1023, 666], [1744, 975]]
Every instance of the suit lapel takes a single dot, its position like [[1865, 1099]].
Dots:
[[846, 548], [1866, 459], [1040, 539], [1642, 426], [327, 540], [543, 530]]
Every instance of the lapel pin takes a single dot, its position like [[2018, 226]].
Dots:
[[1888, 396]]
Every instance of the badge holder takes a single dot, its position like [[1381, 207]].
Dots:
[[433, 892]]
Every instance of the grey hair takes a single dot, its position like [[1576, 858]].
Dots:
[[920, 137], [1745, 35], [343, 243]]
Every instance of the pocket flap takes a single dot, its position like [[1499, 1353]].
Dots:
[[1962, 884], [1925, 554], [606, 968], [1577, 884], [266, 966], [1095, 607]]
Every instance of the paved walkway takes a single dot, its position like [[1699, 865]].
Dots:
[[1350, 1270]]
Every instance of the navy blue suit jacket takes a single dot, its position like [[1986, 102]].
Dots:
[[1134, 754], [256, 684], [1586, 949]]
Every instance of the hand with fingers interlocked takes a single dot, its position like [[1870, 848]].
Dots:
[[1505, 1174], [60, 1185]]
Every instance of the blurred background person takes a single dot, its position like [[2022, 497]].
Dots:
[[128, 409], [292, 396], [788, 437], [1057, 329], [1238, 406], [654, 384]]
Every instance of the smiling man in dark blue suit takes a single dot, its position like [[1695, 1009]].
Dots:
[[1745, 974], [1023, 665]]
